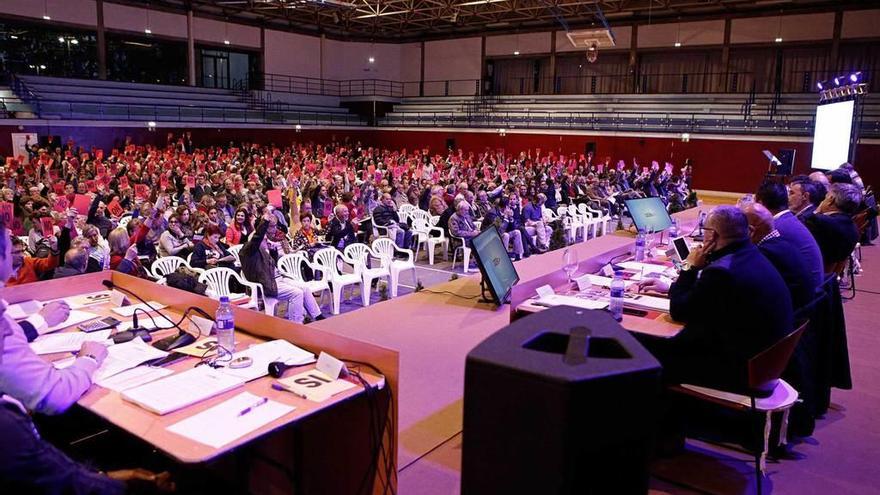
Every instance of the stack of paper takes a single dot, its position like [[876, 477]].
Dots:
[[641, 301], [22, 310], [576, 301], [224, 422], [74, 318], [134, 377], [68, 341], [182, 389], [121, 357], [265, 353]]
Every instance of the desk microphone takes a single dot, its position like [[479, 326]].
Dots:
[[136, 331]]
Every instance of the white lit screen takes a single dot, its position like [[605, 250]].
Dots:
[[831, 140]]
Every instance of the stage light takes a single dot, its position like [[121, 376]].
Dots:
[[516, 53], [60, 39], [778, 40], [371, 60], [47, 18], [43, 67], [74, 41], [837, 81], [678, 44], [148, 31], [13, 37], [854, 77], [151, 124], [820, 86], [298, 127], [685, 137], [225, 42]]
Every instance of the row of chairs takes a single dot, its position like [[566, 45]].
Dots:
[[327, 268]]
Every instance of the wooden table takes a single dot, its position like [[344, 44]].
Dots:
[[258, 327]]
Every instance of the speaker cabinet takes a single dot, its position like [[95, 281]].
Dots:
[[544, 415]]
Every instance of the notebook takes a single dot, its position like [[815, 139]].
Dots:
[[182, 389]]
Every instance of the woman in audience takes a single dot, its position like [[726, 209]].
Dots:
[[123, 254], [211, 253], [306, 238], [185, 222], [240, 228], [172, 242]]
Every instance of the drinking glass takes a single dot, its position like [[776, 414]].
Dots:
[[569, 263]]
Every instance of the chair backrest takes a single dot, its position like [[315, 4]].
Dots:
[[421, 215], [583, 209], [233, 250], [383, 248], [165, 265], [358, 253], [766, 367], [217, 279], [562, 211], [291, 265], [325, 259], [123, 222], [406, 208]]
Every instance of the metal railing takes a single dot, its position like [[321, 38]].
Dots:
[[624, 121]]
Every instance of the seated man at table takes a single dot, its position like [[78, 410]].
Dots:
[[732, 301], [832, 224], [29, 464], [778, 250]]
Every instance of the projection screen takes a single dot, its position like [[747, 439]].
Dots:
[[831, 139]]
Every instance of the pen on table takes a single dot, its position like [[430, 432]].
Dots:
[[278, 386], [254, 406]]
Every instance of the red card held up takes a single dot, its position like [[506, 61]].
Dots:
[[58, 187], [274, 197], [61, 204], [115, 208], [81, 204], [90, 186], [141, 191], [190, 181], [163, 182], [47, 226], [123, 182], [6, 213]]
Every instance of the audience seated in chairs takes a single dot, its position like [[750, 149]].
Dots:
[[211, 253], [832, 224]]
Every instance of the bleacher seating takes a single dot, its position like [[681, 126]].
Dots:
[[791, 114], [60, 98], [12, 106]]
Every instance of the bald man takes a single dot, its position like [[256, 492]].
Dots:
[[781, 253], [733, 304]]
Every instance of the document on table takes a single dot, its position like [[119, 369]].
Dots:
[[121, 357], [74, 318], [182, 389], [641, 301], [224, 422], [129, 310], [134, 377], [585, 301], [68, 341], [266, 352], [22, 310], [84, 300], [644, 270], [586, 281]]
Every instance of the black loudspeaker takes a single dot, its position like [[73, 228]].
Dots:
[[590, 147], [786, 162], [450, 144], [560, 402]]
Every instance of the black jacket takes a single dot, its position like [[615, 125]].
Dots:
[[737, 307], [340, 235], [836, 235], [794, 270], [257, 264], [385, 215]]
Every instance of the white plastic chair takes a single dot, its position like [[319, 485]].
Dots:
[[165, 265], [570, 223], [217, 280], [189, 264], [234, 250], [291, 265], [123, 221], [326, 260], [357, 256], [405, 209], [465, 253], [602, 219], [385, 249], [422, 231], [591, 220]]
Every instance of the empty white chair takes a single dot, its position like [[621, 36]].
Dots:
[[571, 224], [385, 249], [217, 280], [326, 260], [465, 253], [357, 255], [429, 235], [591, 220], [291, 266], [165, 265], [602, 219]]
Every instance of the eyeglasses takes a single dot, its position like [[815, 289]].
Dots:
[[173, 222]]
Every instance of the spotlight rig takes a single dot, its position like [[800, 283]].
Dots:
[[841, 87]]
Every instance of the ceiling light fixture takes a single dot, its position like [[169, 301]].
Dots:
[[479, 2]]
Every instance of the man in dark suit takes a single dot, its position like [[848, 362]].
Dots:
[[803, 197], [733, 302], [341, 231], [775, 198], [778, 250], [832, 223]]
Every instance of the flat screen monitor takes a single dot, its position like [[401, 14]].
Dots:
[[495, 265], [832, 135], [649, 214]]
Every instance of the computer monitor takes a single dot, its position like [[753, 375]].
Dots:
[[649, 214], [495, 265]]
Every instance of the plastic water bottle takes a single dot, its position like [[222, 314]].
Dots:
[[225, 325], [673, 229], [640, 245], [615, 304]]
